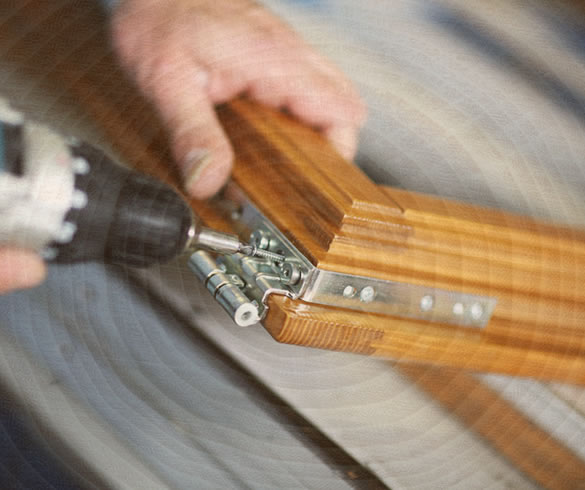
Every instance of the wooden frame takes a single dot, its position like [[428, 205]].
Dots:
[[343, 222], [130, 126]]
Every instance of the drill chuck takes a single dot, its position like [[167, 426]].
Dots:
[[73, 204], [129, 218]]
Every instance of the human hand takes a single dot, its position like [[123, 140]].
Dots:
[[20, 269], [188, 55]]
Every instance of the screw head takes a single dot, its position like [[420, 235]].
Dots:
[[260, 239], [349, 291], [367, 294], [458, 309], [290, 273], [427, 302], [476, 311]]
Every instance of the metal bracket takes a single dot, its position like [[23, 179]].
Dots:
[[254, 278], [242, 284]]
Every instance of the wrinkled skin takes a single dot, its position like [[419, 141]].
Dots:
[[188, 55]]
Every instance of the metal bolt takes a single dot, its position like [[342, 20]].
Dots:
[[458, 309], [260, 239], [476, 311], [367, 294], [427, 302], [349, 292], [290, 273]]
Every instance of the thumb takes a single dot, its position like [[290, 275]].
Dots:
[[20, 269], [178, 87]]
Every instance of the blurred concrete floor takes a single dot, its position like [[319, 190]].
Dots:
[[136, 380]]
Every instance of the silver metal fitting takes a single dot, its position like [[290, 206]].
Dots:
[[284, 270], [224, 289], [367, 294], [290, 273], [260, 239], [349, 291], [216, 241], [427, 302]]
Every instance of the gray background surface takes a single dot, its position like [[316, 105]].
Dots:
[[149, 383]]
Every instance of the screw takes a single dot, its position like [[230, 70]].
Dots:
[[260, 239], [458, 309], [290, 273], [274, 257], [427, 302], [367, 294], [349, 292], [476, 311]]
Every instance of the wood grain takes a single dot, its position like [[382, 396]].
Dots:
[[398, 219], [546, 460], [343, 222]]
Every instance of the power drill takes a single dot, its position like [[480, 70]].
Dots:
[[71, 203]]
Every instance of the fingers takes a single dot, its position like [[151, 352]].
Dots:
[[347, 108], [331, 103], [344, 139], [178, 87], [319, 101], [281, 71], [20, 269], [188, 56]]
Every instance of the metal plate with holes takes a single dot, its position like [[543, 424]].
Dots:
[[295, 277], [399, 299]]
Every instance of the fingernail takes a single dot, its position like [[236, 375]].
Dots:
[[195, 164], [204, 185]]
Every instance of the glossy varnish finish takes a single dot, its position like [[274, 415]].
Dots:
[[343, 222], [444, 228]]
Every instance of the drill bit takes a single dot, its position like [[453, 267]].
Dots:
[[226, 244]]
